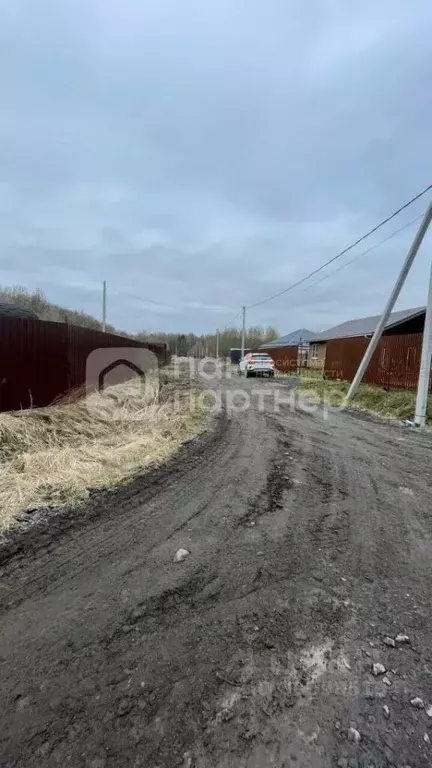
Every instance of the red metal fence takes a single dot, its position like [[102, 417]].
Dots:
[[41, 360], [285, 358], [394, 365]]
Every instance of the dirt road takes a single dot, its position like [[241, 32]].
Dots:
[[310, 542]]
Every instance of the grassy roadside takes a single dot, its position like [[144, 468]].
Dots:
[[53, 456], [307, 373], [396, 404]]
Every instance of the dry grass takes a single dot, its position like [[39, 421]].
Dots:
[[53, 456], [395, 404]]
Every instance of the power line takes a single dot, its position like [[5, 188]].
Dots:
[[142, 299], [351, 261], [179, 308], [363, 253], [234, 318], [345, 250]]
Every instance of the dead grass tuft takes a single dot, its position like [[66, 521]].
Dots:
[[53, 456]]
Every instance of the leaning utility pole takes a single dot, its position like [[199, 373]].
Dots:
[[425, 364], [243, 332], [104, 295], [217, 343], [412, 253]]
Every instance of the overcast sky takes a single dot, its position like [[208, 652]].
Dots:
[[207, 153]]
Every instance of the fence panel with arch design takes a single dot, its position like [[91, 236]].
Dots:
[[40, 360]]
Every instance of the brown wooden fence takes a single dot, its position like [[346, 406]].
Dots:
[[41, 360], [394, 365]]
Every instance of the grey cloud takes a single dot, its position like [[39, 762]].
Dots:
[[210, 152]]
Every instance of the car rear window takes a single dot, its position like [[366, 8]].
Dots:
[[261, 357]]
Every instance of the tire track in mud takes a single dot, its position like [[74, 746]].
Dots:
[[271, 496], [319, 504]]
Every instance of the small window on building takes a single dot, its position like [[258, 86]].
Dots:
[[314, 351]]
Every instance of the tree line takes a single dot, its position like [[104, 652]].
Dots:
[[193, 344]]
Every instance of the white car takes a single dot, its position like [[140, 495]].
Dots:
[[256, 364]]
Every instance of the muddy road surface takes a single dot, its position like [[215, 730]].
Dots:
[[310, 543]]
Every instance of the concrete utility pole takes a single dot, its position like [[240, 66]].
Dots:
[[104, 296], [217, 343], [425, 364], [243, 331], [412, 253]]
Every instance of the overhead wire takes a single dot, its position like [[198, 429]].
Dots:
[[313, 272], [179, 308], [364, 253], [233, 319], [344, 251], [141, 298]]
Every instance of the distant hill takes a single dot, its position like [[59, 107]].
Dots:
[[38, 304], [13, 310]]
